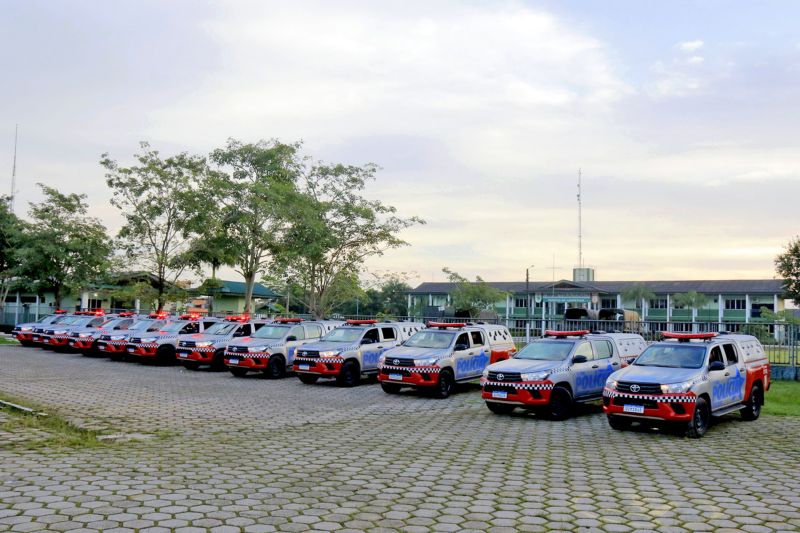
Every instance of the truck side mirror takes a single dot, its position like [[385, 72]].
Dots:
[[291, 338], [579, 359], [716, 366], [461, 347], [367, 341]]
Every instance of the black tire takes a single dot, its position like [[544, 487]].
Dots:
[[752, 408], [190, 365], [165, 355], [390, 388], [445, 384], [501, 408], [276, 367], [218, 361], [620, 423], [118, 357], [560, 406], [350, 375], [238, 372], [700, 419], [27, 344], [308, 379]]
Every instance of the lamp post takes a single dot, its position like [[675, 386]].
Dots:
[[528, 304]]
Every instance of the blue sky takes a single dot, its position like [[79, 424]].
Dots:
[[683, 116]]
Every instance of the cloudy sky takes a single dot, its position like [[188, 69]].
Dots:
[[684, 117]]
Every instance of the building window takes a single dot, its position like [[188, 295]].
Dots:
[[735, 303], [94, 304], [658, 303], [608, 303], [519, 302]]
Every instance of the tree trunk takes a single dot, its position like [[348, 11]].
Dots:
[[213, 288], [249, 280], [57, 294]]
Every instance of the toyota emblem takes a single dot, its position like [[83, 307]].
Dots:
[[396, 362], [635, 388], [500, 377]]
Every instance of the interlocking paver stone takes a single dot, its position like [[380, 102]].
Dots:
[[231, 454]]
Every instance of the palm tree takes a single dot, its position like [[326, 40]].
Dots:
[[692, 300], [638, 294]]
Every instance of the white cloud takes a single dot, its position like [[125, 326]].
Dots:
[[695, 60], [691, 46]]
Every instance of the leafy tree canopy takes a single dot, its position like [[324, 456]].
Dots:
[[788, 266], [470, 296]]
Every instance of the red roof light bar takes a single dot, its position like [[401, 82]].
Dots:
[[287, 320], [576, 333], [444, 325], [688, 336], [361, 322]]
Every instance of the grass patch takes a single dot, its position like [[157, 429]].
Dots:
[[8, 341], [57, 431], [783, 398]]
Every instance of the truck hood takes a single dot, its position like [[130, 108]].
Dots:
[[525, 365], [329, 346], [407, 352], [200, 337], [655, 374]]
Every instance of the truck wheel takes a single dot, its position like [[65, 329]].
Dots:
[[115, 356], [560, 406], [238, 372], [165, 355], [276, 368], [350, 374], [752, 408], [390, 388], [500, 408], [700, 420], [308, 379], [190, 365], [620, 423], [26, 344], [218, 361], [445, 384]]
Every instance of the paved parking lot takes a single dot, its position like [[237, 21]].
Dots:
[[255, 455]]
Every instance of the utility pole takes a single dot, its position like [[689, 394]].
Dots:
[[528, 304], [580, 226], [14, 170]]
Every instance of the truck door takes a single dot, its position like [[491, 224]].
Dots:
[[582, 371], [462, 351], [295, 338], [477, 357], [735, 373], [371, 348], [605, 363], [718, 379]]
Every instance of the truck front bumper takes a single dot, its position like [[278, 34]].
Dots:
[[533, 393], [322, 366], [250, 361], [667, 407], [142, 350], [412, 376], [203, 354]]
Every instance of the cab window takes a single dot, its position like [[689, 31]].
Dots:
[[243, 331], [602, 349], [477, 338], [388, 334], [463, 339], [716, 355], [257, 326], [97, 322], [208, 323], [585, 349], [298, 332], [125, 324], [313, 331], [191, 327], [372, 335], [730, 354]]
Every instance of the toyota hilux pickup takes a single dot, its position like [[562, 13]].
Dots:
[[56, 336], [351, 351], [272, 348], [687, 379], [208, 348], [113, 343], [24, 332], [160, 346], [437, 358], [84, 340], [551, 374]]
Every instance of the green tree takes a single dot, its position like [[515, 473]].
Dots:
[[62, 248], [690, 300], [334, 229], [10, 234], [788, 266], [637, 294], [473, 296], [253, 184], [161, 203]]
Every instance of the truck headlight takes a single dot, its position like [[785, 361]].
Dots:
[[428, 361], [534, 376], [381, 359], [611, 384], [485, 373], [329, 353], [117, 337], [203, 344], [677, 388], [60, 332], [149, 339], [84, 335], [256, 349], [26, 329]]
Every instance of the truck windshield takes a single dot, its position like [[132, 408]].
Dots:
[[142, 325], [343, 335], [82, 321], [430, 339], [173, 327], [111, 324], [546, 350], [680, 356], [271, 332], [221, 328]]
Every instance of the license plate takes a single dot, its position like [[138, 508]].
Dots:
[[233, 361], [499, 394], [182, 354], [396, 377], [131, 350], [101, 346], [35, 339], [633, 409], [45, 341], [72, 344], [303, 367]]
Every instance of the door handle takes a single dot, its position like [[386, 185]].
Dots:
[[381, 347], [727, 373], [615, 364], [595, 366], [471, 353]]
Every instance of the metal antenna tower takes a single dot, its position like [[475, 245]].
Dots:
[[580, 222], [14, 170]]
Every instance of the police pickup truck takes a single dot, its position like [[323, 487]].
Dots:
[[24, 332], [113, 343], [442, 355], [687, 379], [56, 336], [552, 373], [350, 351], [272, 348], [160, 346], [84, 340], [208, 348]]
